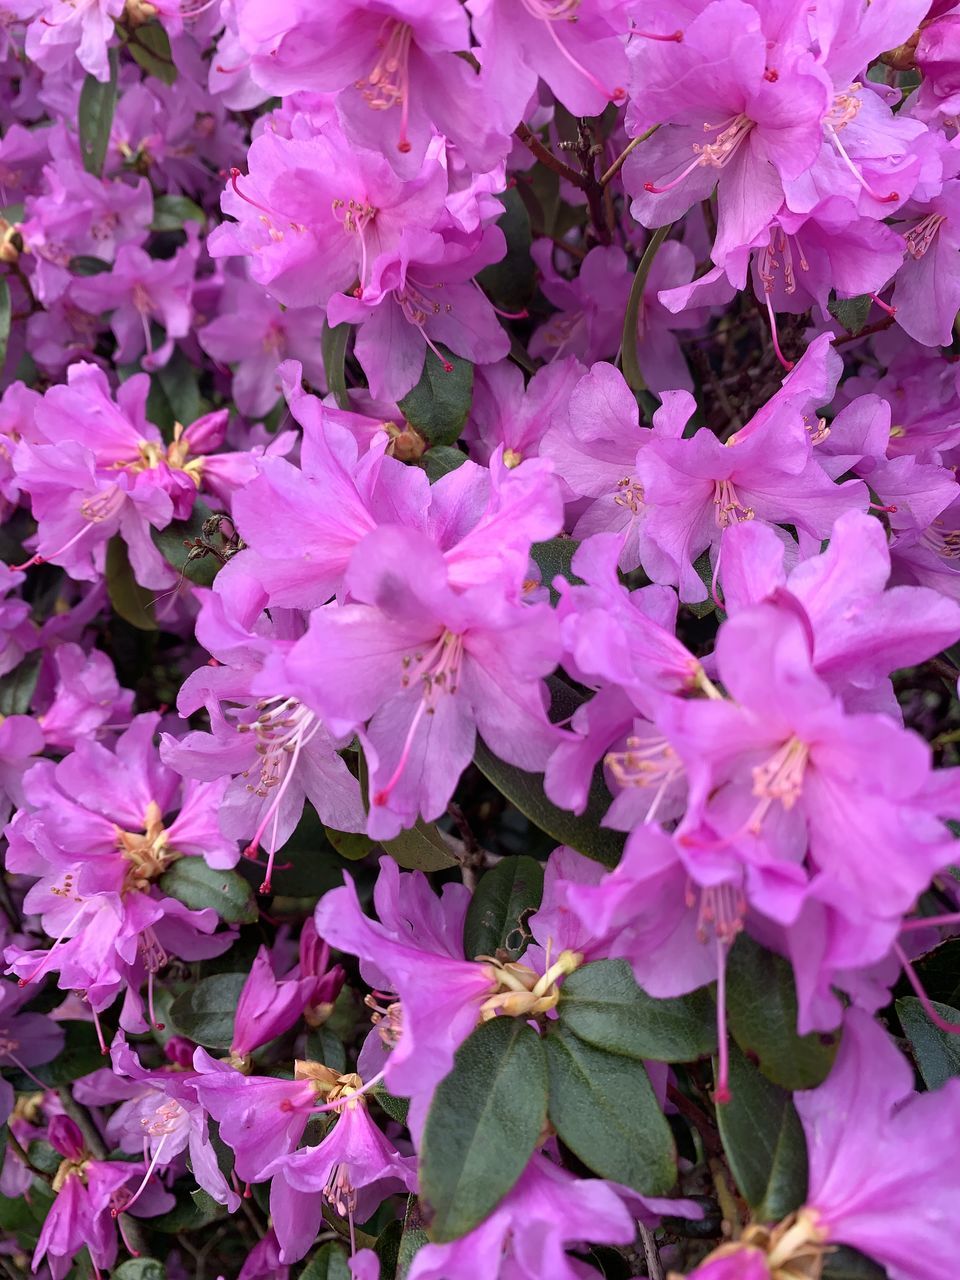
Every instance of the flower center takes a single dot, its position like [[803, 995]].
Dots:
[[649, 763], [629, 494], [147, 852], [730, 510], [521, 992], [779, 779], [922, 236], [388, 84], [176, 455]]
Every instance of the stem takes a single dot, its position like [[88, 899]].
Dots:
[[628, 346], [631, 146], [546, 156], [651, 1253]]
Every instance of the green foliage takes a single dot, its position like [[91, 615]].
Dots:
[[503, 899], [512, 281], [131, 601], [603, 1107], [852, 313], [484, 1122], [197, 885], [441, 460], [170, 542], [149, 45], [937, 1052], [440, 402], [171, 213], [79, 1056], [333, 349], [603, 1006], [420, 848], [17, 687], [553, 558], [763, 1141], [206, 1012], [328, 1263], [98, 101], [762, 1013], [139, 1269]]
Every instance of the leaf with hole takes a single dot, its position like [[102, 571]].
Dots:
[[602, 1004], [603, 1107], [484, 1122], [503, 899]]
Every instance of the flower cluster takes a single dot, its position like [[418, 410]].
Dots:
[[479, 638]]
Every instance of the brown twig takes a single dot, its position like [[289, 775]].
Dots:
[[651, 1253], [546, 156], [631, 146]]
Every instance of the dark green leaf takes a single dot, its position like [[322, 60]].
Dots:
[[604, 1109], [323, 1046], [17, 687], [139, 1269], [328, 1263], [440, 402], [764, 1142], [937, 1052], [170, 542], [333, 348], [483, 1125], [421, 848], [352, 845], [79, 1056], [525, 790], [939, 971], [387, 1248], [131, 601], [414, 1237], [190, 1213], [43, 1157], [179, 380], [704, 570], [762, 1013], [851, 312], [441, 460], [553, 559], [150, 46], [396, 1108], [197, 886], [85, 265], [843, 1263], [205, 1013], [511, 282], [95, 119], [501, 903], [19, 1214], [602, 1004], [6, 314], [171, 212]]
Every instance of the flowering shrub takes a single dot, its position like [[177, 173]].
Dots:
[[479, 639]]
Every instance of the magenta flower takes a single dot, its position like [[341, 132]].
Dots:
[[420, 669], [61, 32], [266, 1007], [26, 1040], [505, 412], [928, 284]]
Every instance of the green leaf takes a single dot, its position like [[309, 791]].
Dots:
[[18, 1215], [328, 1263], [602, 1004], [131, 601], [553, 559], [387, 1248], [95, 119], [498, 911], [441, 460], [6, 316], [937, 1052], [206, 1012], [843, 1263], [179, 381], [762, 1015], [139, 1269], [79, 1056], [632, 316], [149, 45], [413, 1239], [440, 402], [483, 1125], [396, 1108], [852, 313], [525, 791], [939, 971], [44, 1157], [333, 349], [420, 848], [326, 1047], [511, 282], [764, 1142], [191, 1213], [171, 212], [85, 265], [604, 1109], [352, 845], [17, 687], [197, 886], [170, 543]]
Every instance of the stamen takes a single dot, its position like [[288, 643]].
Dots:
[[729, 508], [841, 151], [115, 1213], [787, 364]]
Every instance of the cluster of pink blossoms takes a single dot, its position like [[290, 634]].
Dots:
[[514, 441]]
